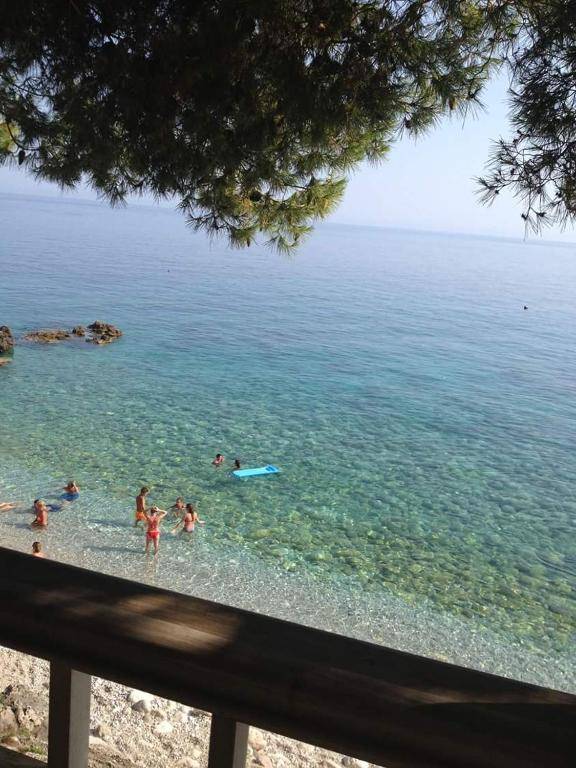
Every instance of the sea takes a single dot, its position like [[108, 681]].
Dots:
[[423, 421]]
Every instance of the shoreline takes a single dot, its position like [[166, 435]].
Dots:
[[380, 618]]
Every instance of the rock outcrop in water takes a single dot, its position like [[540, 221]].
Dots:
[[103, 333], [47, 335], [6, 340], [97, 333]]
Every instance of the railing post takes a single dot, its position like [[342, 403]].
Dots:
[[68, 717], [228, 743]]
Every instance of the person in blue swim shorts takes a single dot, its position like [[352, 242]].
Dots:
[[71, 491]]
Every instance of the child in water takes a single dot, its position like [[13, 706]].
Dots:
[[37, 549], [218, 461], [41, 510], [141, 506], [178, 507]]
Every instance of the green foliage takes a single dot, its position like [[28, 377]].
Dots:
[[249, 112], [539, 162]]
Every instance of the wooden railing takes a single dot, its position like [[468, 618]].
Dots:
[[390, 708]]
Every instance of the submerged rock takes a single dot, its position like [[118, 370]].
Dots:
[[5, 361], [6, 340], [47, 335], [103, 333]]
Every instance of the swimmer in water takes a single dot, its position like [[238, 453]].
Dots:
[[178, 507], [237, 464], [189, 520], [71, 488], [141, 506], [41, 510], [218, 461], [153, 520], [37, 549]]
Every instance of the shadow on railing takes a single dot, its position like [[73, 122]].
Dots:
[[349, 696]]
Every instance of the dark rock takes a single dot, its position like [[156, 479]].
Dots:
[[47, 335], [6, 340], [103, 333], [78, 330]]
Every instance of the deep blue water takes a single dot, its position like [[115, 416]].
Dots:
[[423, 421]]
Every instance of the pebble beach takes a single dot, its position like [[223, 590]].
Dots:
[[132, 729]]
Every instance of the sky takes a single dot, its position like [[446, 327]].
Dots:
[[426, 184]]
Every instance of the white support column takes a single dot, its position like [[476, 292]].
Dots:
[[69, 717], [228, 743]]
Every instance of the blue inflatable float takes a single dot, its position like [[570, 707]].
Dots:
[[270, 469]]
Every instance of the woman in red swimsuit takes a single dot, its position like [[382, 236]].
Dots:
[[153, 519]]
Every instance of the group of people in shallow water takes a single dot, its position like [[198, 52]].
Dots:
[[186, 514], [41, 509]]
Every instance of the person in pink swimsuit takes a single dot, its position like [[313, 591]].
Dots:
[[41, 510], [153, 519], [189, 520]]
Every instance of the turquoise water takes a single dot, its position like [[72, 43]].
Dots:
[[423, 422]]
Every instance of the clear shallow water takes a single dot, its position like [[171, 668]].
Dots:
[[424, 423]]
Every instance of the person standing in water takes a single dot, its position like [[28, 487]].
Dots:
[[178, 507], [218, 461], [41, 510], [153, 520], [141, 506]]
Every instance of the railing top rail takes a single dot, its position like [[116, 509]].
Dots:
[[389, 707]]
